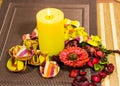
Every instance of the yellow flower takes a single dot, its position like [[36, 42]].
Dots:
[[66, 34], [73, 35], [73, 30], [67, 21], [75, 23], [71, 22], [94, 40]]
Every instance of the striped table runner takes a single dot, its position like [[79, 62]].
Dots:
[[0, 2], [108, 20]]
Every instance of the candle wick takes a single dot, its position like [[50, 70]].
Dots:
[[48, 12], [49, 16]]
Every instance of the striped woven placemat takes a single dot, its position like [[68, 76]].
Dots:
[[16, 23], [108, 20]]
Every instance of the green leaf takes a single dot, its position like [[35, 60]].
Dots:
[[82, 44], [97, 67], [104, 61]]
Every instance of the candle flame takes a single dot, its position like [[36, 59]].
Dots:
[[48, 12]]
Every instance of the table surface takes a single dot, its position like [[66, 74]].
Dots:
[[108, 26]]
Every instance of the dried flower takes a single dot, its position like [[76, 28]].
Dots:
[[74, 57]]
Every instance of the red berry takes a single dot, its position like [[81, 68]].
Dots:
[[99, 54], [90, 63], [74, 73], [109, 68], [82, 73], [95, 61], [102, 74], [96, 78]]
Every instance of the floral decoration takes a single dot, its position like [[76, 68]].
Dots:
[[81, 52], [74, 57]]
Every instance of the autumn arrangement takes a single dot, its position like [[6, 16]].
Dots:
[[81, 51]]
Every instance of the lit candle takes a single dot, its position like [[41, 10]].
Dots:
[[50, 30]]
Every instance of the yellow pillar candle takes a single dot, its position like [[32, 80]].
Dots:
[[50, 30]]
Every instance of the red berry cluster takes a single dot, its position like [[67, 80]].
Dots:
[[80, 78], [108, 69], [97, 62]]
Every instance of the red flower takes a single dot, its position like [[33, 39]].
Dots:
[[74, 57]]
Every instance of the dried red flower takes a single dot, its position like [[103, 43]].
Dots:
[[71, 43], [82, 73], [74, 57], [80, 81], [74, 73]]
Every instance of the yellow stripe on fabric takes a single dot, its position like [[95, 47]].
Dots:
[[117, 21], [98, 20], [105, 82], [0, 2], [108, 16], [113, 26], [117, 57], [109, 41], [108, 30], [102, 24]]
